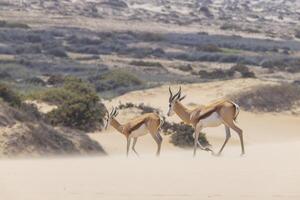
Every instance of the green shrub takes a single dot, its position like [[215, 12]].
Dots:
[[70, 88], [269, 98], [78, 105], [52, 95], [9, 96], [80, 112]]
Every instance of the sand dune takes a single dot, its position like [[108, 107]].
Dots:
[[269, 170]]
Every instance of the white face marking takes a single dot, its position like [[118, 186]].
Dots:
[[171, 109], [140, 131], [212, 120], [107, 121]]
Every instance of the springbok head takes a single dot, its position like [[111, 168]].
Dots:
[[110, 115], [173, 99]]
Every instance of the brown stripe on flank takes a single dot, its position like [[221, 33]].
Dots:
[[137, 126], [208, 113]]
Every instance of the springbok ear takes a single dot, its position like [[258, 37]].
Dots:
[[171, 94], [181, 98], [117, 112]]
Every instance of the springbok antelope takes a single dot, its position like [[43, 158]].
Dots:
[[219, 112], [137, 127]]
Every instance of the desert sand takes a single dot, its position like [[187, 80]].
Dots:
[[269, 170]]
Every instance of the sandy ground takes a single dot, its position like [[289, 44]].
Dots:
[[269, 170]]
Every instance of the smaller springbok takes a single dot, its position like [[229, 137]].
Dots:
[[137, 127], [219, 112]]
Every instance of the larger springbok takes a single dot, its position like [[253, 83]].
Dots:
[[137, 127], [220, 112]]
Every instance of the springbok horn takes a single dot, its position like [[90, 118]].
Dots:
[[171, 95], [177, 95], [112, 111], [115, 111], [179, 92]]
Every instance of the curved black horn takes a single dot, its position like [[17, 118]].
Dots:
[[177, 95], [112, 111], [179, 92], [115, 111], [171, 94]]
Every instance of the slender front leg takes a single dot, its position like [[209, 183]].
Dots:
[[133, 146], [228, 135], [196, 137], [128, 145], [196, 142], [158, 142]]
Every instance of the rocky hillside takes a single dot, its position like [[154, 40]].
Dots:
[[271, 17]]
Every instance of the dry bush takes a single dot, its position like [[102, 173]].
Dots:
[[186, 68], [243, 69], [182, 135], [216, 74], [269, 98]]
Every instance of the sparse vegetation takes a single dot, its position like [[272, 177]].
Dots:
[[5, 24], [9, 96], [269, 98], [229, 73], [145, 63], [209, 48], [216, 74], [116, 79], [58, 52]]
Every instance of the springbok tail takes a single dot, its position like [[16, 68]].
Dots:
[[161, 123], [237, 111]]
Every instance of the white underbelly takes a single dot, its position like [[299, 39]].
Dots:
[[140, 131], [212, 120]]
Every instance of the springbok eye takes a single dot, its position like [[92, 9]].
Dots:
[[169, 105]]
